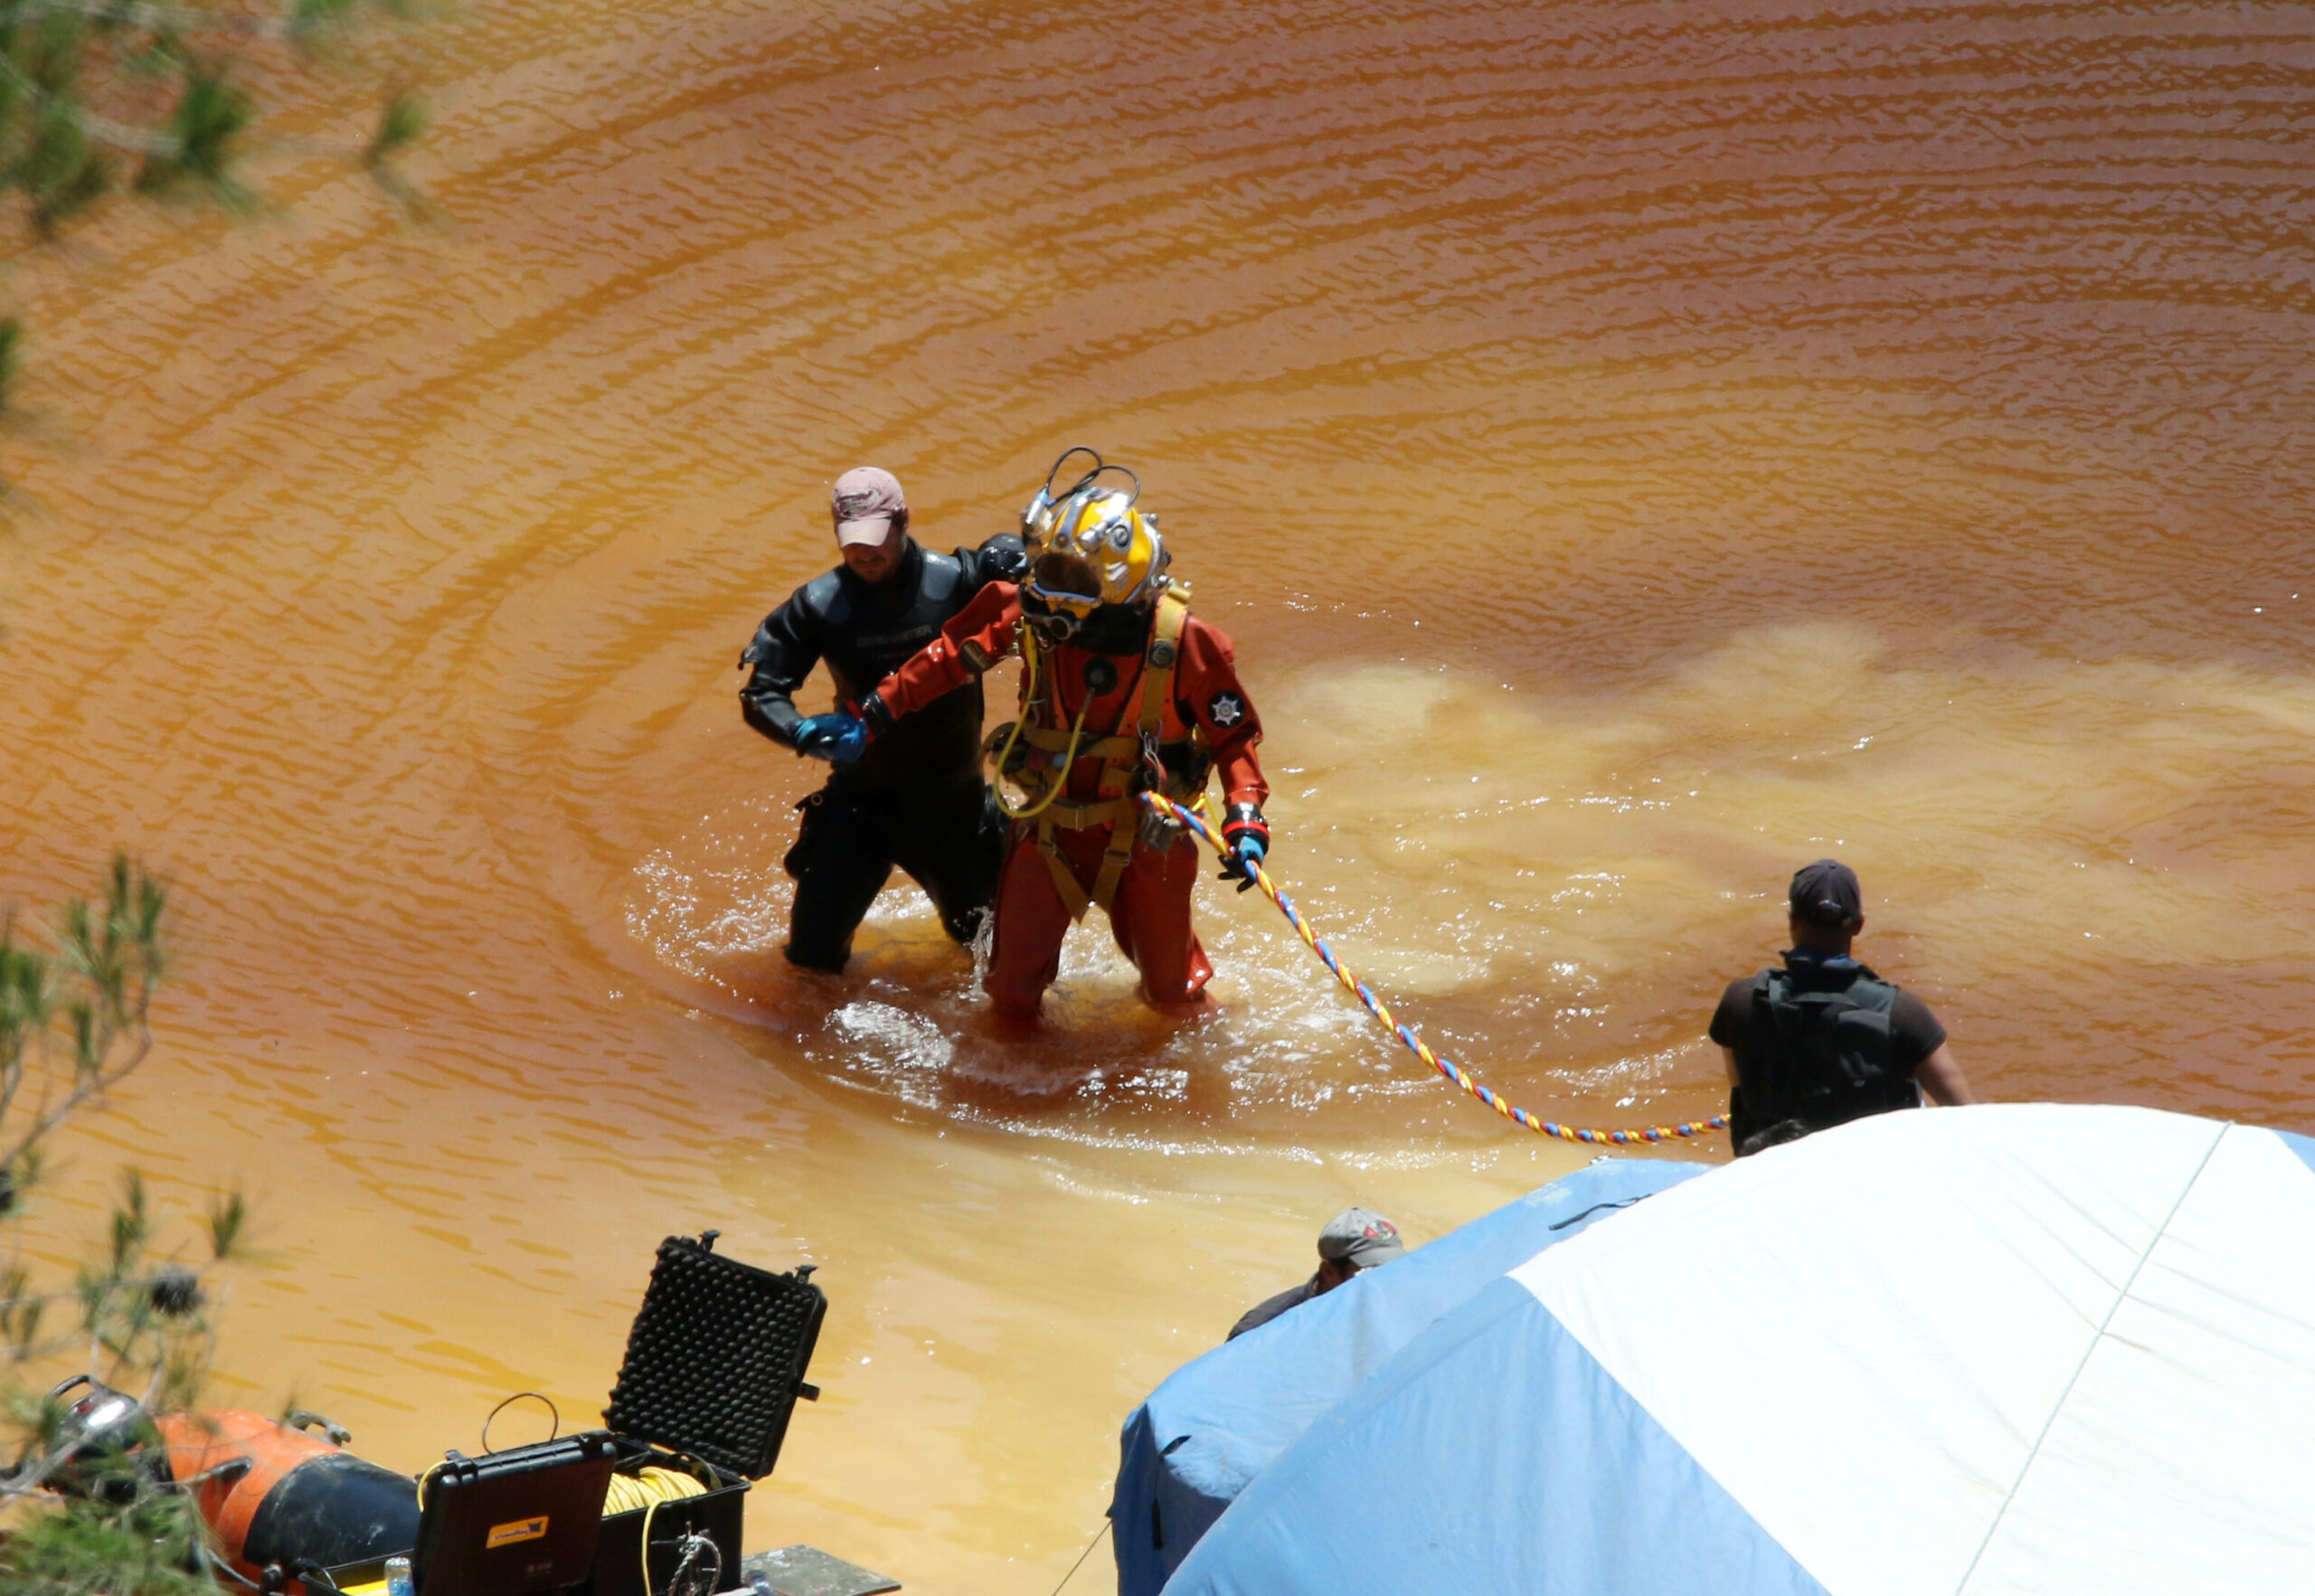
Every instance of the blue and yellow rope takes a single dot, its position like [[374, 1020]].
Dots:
[[1414, 1043]]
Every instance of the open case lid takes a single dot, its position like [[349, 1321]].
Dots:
[[715, 1358]]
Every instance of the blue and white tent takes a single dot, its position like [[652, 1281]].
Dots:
[[2001, 1349], [1217, 1422]]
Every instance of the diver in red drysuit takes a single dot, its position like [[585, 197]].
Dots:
[[1129, 692]]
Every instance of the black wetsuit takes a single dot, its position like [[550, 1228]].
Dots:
[[915, 799]]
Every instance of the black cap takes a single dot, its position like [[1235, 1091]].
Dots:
[[1825, 893]]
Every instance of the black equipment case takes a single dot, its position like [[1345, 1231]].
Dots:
[[715, 1361], [513, 1523]]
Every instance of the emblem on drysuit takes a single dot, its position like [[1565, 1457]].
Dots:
[[1227, 709]]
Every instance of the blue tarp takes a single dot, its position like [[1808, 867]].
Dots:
[[1582, 1452], [1193, 1446], [2012, 1348]]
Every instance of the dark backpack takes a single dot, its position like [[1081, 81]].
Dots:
[[1817, 1059]]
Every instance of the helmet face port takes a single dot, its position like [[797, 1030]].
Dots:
[[1064, 581], [1060, 596]]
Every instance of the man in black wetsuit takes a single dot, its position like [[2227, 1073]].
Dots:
[[1824, 1040], [915, 799]]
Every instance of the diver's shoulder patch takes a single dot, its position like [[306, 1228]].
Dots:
[[1225, 709]]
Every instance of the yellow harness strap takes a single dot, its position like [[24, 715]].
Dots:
[[1120, 757], [1065, 879], [1070, 816]]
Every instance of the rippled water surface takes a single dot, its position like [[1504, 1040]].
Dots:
[[1637, 449]]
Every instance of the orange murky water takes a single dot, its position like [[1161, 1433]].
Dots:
[[1637, 449]]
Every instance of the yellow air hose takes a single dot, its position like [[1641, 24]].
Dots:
[[1028, 695]]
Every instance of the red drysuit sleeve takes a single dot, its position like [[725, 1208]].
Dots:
[[1206, 689], [982, 633]]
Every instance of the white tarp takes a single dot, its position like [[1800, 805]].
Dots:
[[2002, 1349]]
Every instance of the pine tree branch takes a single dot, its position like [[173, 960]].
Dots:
[[121, 135], [93, 1085], [171, 19]]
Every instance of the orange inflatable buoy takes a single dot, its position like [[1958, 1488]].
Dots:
[[280, 1500]]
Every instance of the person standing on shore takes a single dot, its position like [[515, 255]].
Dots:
[[917, 800], [1823, 1040]]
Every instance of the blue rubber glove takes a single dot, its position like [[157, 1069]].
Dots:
[[814, 733], [1247, 859], [837, 738], [1247, 837]]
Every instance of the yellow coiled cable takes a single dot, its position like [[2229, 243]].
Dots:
[[1028, 695], [648, 1487]]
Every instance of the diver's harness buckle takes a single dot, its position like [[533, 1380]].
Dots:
[[1159, 831]]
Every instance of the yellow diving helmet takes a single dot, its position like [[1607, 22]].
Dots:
[[1089, 547]]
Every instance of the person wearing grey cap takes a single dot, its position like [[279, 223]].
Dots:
[[1355, 1239], [1824, 1040], [917, 799]]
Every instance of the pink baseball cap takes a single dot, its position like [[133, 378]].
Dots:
[[866, 503]]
